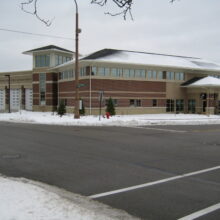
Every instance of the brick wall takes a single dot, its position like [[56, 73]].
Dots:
[[122, 90]]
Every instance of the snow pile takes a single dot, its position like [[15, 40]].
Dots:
[[24, 200], [118, 120]]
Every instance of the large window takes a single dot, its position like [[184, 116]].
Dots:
[[103, 71], [126, 73], [170, 75], [83, 71], [132, 73], [67, 74], [94, 71], [140, 74], [170, 105], [42, 87], [179, 76], [61, 59], [115, 72], [151, 74], [42, 60], [179, 105], [191, 106]]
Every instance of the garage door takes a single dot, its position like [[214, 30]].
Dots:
[[15, 99], [28, 99], [2, 99]]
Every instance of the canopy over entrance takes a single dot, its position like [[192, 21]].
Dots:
[[209, 86], [207, 82]]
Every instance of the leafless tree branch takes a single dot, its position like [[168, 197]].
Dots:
[[35, 11], [124, 5]]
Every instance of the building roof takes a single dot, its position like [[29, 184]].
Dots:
[[189, 82], [207, 82], [46, 48], [152, 59]]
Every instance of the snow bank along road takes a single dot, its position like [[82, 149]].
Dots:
[[159, 172]]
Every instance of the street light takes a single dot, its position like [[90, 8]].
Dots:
[[9, 89], [77, 31]]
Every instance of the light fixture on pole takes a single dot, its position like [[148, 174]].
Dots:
[[9, 91], [77, 31]]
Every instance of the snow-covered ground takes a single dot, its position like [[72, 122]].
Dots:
[[22, 199], [118, 120]]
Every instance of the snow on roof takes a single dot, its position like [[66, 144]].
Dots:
[[144, 58], [208, 81]]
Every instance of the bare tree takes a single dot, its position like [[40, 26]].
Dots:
[[124, 5], [34, 11]]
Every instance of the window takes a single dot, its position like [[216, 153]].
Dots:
[[170, 105], [71, 73], [94, 71], [179, 76], [42, 87], [61, 59], [132, 73], [160, 75], [151, 74], [170, 75], [135, 102], [191, 106], [126, 73], [115, 102], [101, 71], [179, 105], [83, 71], [164, 74], [67, 74], [140, 74], [154, 102], [68, 59], [56, 60], [107, 71], [116, 72], [42, 60]]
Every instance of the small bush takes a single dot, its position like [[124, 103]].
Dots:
[[61, 109], [110, 107]]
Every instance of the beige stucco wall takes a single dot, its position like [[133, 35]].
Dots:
[[18, 79]]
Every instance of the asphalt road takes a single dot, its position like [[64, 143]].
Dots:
[[94, 160]]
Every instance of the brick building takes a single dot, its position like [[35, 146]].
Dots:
[[137, 82]]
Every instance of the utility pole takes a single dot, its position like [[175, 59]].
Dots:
[[77, 31], [9, 93]]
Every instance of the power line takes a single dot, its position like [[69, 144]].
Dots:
[[35, 34]]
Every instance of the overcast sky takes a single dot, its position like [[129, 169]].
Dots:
[[187, 27]]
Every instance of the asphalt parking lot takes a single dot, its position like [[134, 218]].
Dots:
[[157, 172]]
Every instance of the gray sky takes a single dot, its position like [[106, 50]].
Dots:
[[186, 27]]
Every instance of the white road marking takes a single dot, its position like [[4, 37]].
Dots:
[[161, 129], [201, 212], [152, 183]]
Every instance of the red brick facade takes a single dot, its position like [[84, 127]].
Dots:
[[122, 90]]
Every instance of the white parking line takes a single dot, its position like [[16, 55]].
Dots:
[[201, 212], [162, 129], [153, 183]]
